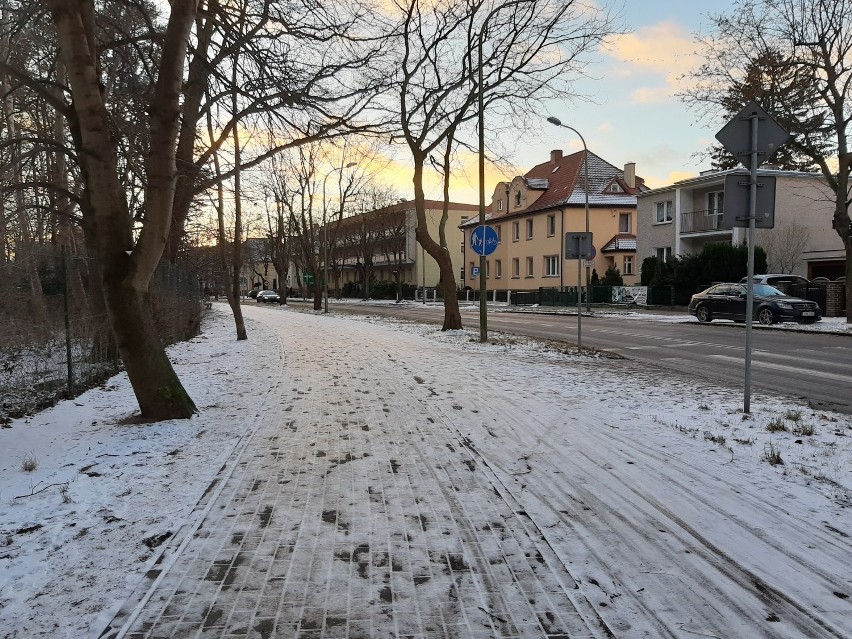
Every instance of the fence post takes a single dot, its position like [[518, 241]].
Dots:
[[67, 325]]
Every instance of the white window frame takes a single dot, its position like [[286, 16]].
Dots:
[[663, 212], [628, 217], [628, 265], [498, 269], [530, 229], [551, 225], [551, 266], [516, 231], [664, 253], [715, 202], [516, 268], [530, 267]]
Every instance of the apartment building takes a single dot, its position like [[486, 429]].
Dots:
[[680, 219], [381, 244], [532, 213]]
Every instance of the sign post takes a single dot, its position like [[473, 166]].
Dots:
[[752, 137], [578, 246], [483, 241]]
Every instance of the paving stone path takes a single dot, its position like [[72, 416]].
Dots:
[[355, 509]]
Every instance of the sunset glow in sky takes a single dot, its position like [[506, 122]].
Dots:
[[635, 116]]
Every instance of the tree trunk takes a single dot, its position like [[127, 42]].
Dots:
[[155, 383], [128, 265], [25, 254], [452, 314], [188, 170], [232, 290], [317, 298]]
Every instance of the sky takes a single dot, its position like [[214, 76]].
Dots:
[[635, 116], [633, 495]]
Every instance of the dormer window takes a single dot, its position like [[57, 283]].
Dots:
[[614, 188]]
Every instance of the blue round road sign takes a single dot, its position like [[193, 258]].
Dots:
[[483, 240]]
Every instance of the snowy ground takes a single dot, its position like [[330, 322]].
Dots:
[[653, 491]]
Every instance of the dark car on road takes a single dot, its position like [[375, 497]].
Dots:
[[267, 296], [728, 301]]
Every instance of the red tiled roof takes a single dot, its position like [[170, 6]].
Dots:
[[565, 179]]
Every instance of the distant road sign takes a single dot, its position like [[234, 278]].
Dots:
[[736, 210], [735, 136], [474, 271], [483, 240], [579, 246]]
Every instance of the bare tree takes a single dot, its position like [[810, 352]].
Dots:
[[784, 247], [811, 40], [303, 75], [530, 51], [130, 257]]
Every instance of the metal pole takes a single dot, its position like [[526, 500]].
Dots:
[[752, 212], [483, 302], [586, 193], [423, 272], [558, 122], [579, 307], [67, 324], [325, 246]]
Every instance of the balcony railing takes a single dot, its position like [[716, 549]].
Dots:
[[700, 221]]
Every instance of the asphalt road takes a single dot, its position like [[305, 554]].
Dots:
[[816, 367]]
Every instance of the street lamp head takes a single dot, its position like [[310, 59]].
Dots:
[[555, 121], [350, 165]]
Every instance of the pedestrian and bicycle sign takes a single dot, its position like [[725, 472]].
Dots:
[[484, 240]]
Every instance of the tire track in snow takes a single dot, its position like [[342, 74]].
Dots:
[[752, 585]]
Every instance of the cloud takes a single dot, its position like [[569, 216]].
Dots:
[[657, 56], [605, 127], [665, 48], [652, 95]]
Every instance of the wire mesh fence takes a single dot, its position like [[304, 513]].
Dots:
[[55, 337]]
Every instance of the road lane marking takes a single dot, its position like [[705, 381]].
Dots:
[[789, 369]]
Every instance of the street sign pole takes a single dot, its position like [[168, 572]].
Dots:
[[763, 141], [752, 214], [579, 306], [579, 246], [483, 294]]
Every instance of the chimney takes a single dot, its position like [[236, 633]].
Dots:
[[555, 156], [630, 174]]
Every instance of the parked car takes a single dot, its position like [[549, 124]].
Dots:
[[774, 279], [253, 293], [267, 296], [728, 301]]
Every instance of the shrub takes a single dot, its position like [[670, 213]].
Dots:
[[772, 454]]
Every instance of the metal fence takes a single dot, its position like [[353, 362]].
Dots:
[[59, 343], [656, 296]]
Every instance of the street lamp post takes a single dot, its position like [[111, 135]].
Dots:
[[558, 122], [325, 237]]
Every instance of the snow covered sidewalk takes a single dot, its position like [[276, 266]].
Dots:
[[368, 478]]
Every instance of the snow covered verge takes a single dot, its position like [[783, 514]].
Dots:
[[87, 494]]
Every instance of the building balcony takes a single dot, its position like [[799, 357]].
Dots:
[[706, 221]]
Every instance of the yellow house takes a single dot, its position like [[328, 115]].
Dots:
[[532, 213]]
